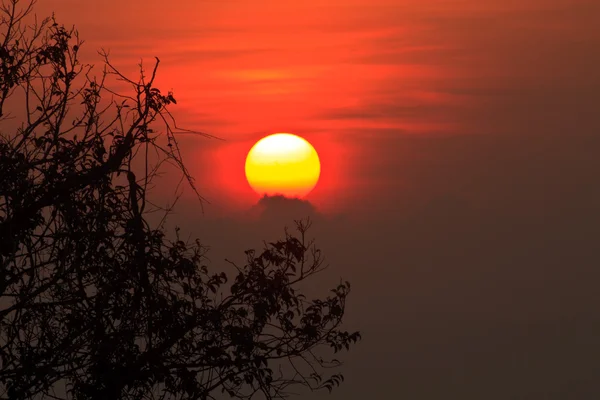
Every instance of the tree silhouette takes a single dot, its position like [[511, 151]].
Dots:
[[95, 301]]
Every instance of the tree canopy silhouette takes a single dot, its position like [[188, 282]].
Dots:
[[96, 302]]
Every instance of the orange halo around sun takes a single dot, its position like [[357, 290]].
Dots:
[[283, 164]]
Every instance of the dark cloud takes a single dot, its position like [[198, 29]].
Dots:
[[198, 55], [404, 108], [281, 208], [476, 268]]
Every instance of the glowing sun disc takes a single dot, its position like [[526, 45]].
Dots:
[[283, 164]]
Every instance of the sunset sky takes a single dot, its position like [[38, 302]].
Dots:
[[460, 182]]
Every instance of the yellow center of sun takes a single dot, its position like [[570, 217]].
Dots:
[[283, 164]]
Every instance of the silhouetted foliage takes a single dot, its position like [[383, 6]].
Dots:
[[95, 302]]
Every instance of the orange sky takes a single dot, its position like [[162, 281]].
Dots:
[[459, 142], [351, 76]]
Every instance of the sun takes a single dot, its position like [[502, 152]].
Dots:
[[283, 164]]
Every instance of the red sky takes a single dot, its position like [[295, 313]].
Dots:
[[351, 76], [460, 184]]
